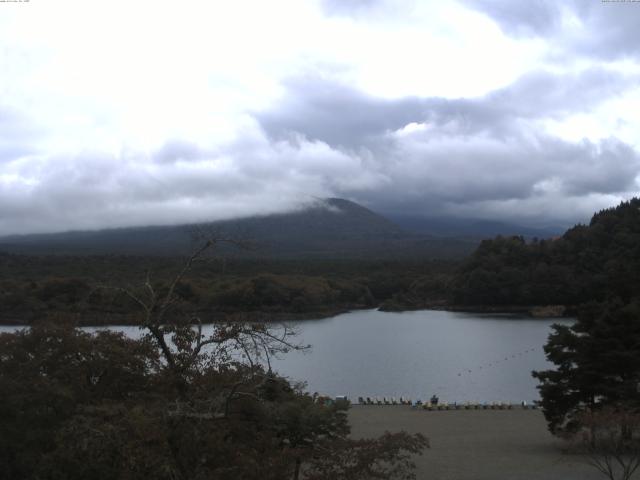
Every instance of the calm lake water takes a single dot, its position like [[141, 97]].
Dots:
[[458, 356]]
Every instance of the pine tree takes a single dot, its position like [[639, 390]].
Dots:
[[597, 364]]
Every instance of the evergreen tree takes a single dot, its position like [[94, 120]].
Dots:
[[599, 261], [597, 365]]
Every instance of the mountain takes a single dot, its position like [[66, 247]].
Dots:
[[469, 227], [333, 227]]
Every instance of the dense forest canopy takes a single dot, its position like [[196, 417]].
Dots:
[[597, 359], [589, 262], [33, 287]]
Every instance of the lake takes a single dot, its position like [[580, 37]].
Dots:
[[458, 356]]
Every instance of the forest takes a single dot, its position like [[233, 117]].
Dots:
[[33, 287], [598, 261]]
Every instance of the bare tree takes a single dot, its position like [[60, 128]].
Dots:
[[610, 440], [180, 335]]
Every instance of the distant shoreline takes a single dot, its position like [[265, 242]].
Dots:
[[110, 318], [94, 319], [120, 319], [534, 311]]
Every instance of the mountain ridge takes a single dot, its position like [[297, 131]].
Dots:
[[331, 227]]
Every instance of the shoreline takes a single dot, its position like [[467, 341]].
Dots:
[[126, 319], [534, 311]]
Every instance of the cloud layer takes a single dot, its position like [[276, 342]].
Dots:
[[463, 156], [540, 128]]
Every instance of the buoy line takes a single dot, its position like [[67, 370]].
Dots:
[[495, 363]]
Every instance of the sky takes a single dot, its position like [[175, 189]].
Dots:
[[127, 113]]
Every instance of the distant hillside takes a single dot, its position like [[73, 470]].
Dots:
[[469, 227], [331, 228], [598, 261]]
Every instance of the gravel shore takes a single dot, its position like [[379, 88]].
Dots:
[[477, 444]]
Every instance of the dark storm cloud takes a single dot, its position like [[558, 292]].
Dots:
[[337, 114], [430, 175], [441, 155], [607, 168], [609, 29], [551, 182], [342, 116]]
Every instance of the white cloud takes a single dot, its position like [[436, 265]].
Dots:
[[121, 113], [254, 176]]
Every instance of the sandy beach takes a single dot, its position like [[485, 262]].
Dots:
[[477, 444]]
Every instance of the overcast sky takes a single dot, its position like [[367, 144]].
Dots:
[[126, 113]]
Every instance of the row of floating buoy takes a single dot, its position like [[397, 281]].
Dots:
[[496, 362], [445, 405]]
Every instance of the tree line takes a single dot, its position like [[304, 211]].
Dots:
[[35, 287], [598, 261]]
